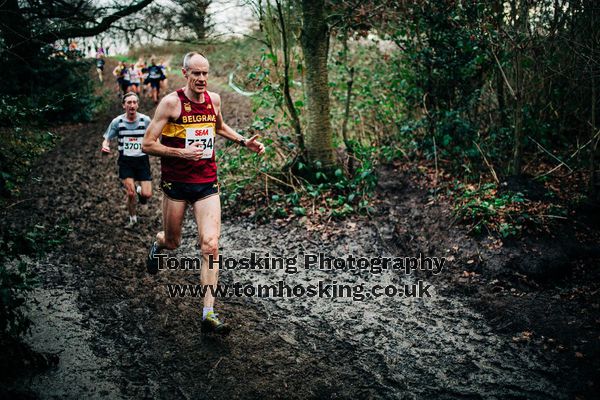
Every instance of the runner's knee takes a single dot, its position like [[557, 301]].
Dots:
[[210, 245]]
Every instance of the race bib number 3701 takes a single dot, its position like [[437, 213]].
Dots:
[[132, 146], [204, 136]]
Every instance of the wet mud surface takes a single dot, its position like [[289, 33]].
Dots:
[[118, 334]]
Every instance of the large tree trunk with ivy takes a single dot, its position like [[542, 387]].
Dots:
[[315, 46]]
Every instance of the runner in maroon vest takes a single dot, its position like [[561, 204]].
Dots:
[[186, 122], [196, 124]]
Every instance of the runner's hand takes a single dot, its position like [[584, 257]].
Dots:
[[193, 152], [105, 147], [255, 145]]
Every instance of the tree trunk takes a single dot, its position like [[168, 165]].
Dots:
[[521, 25], [286, 80], [500, 93], [349, 146], [349, 83], [315, 46], [593, 182]]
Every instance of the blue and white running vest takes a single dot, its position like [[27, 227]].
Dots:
[[130, 140]]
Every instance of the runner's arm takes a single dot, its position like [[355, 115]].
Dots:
[[110, 133], [151, 145]]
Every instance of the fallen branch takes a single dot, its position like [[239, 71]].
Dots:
[[571, 156], [550, 154], [488, 164], [512, 92], [553, 216], [276, 179]]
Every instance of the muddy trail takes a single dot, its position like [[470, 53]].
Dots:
[[115, 332]]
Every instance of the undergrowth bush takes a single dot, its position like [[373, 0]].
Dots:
[[490, 209], [48, 89], [265, 187], [22, 142], [16, 278], [15, 282]]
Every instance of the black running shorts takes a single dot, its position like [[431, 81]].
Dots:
[[155, 83], [189, 192], [137, 168]]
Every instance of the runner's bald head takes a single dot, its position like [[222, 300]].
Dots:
[[187, 59]]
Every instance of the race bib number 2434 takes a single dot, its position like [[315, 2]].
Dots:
[[204, 136]]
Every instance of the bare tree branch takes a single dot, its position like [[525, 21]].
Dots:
[[104, 24]]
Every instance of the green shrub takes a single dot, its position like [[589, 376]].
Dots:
[[488, 210], [16, 279], [15, 282]]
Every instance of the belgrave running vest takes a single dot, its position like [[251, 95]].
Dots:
[[196, 123], [130, 140]]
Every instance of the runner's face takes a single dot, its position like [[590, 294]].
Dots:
[[131, 105], [197, 74]]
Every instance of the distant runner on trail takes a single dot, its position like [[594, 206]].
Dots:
[[134, 165], [140, 65], [164, 69], [135, 76], [100, 66], [125, 83], [186, 122], [155, 76], [118, 73]]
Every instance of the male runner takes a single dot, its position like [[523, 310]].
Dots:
[[125, 83], [155, 76], [134, 165], [186, 122], [164, 70], [135, 76], [118, 73], [140, 65], [100, 65]]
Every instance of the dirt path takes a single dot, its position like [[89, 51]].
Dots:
[[119, 335]]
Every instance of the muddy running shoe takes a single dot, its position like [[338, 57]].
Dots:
[[152, 261], [132, 222], [212, 324], [141, 199]]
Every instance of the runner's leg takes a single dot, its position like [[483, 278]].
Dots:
[[129, 186], [207, 213], [146, 188], [155, 95], [170, 237], [173, 213]]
